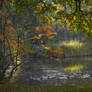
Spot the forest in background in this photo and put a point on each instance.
(29, 28)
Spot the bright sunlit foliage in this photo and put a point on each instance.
(72, 44)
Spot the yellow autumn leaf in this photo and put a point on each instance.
(8, 21)
(38, 6)
(74, 17)
(40, 35)
(53, 33)
(37, 28)
(46, 47)
(67, 20)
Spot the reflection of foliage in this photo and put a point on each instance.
(74, 68)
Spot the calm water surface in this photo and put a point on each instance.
(55, 72)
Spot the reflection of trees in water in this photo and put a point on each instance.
(40, 72)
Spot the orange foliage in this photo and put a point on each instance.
(1, 13)
(51, 37)
(53, 33)
(11, 27)
(40, 35)
(58, 51)
(37, 28)
(47, 48)
(8, 21)
(13, 44)
(46, 32)
(44, 28)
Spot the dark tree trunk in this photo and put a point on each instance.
(79, 5)
(76, 4)
(1, 46)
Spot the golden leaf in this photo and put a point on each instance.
(11, 28)
(51, 37)
(67, 20)
(37, 28)
(53, 33)
(46, 47)
(74, 17)
(39, 6)
(8, 21)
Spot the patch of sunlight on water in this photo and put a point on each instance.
(71, 43)
(74, 68)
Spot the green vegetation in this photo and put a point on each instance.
(29, 28)
(64, 88)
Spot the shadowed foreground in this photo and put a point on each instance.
(65, 88)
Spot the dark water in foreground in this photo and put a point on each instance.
(45, 72)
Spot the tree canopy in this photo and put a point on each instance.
(74, 14)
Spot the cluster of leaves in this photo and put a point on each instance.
(45, 31)
(74, 14)
(43, 34)
(57, 51)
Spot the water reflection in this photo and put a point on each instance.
(40, 72)
(74, 68)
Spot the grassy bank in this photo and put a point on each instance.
(64, 88)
